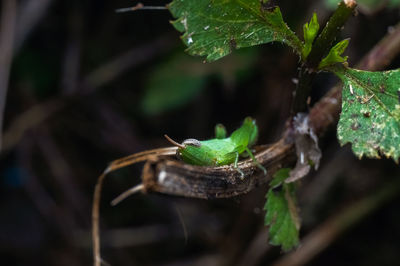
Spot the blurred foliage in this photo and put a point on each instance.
(178, 80)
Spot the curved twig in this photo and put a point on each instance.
(178, 178)
(117, 164)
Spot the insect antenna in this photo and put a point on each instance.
(173, 142)
(139, 6)
(117, 164)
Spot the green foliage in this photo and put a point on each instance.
(170, 86)
(334, 55)
(370, 118)
(394, 3)
(214, 28)
(178, 80)
(280, 176)
(310, 31)
(281, 212)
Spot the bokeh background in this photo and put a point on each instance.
(86, 86)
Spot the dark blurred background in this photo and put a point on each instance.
(86, 86)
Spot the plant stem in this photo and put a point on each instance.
(320, 48)
(303, 90)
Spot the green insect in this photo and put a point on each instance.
(222, 150)
(214, 152)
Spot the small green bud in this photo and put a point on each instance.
(310, 31)
(334, 55)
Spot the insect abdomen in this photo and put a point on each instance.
(198, 156)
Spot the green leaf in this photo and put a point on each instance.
(334, 55)
(310, 31)
(370, 118)
(171, 85)
(214, 28)
(280, 176)
(181, 78)
(281, 213)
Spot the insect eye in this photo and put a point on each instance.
(192, 142)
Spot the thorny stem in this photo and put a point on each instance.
(320, 48)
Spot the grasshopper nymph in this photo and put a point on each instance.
(222, 150)
(214, 152)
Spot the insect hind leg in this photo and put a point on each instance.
(255, 161)
(235, 165)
